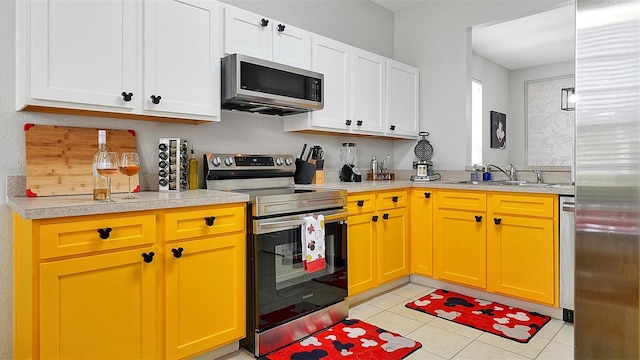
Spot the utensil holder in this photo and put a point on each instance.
(304, 172)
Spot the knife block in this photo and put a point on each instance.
(318, 177)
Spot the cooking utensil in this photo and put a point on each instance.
(309, 154)
(318, 153)
(423, 149)
(304, 147)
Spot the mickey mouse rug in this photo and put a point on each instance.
(349, 339)
(509, 322)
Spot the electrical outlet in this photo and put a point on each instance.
(567, 315)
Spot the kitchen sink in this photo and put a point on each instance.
(502, 182)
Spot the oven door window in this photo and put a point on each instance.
(285, 290)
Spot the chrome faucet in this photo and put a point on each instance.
(511, 174)
(538, 176)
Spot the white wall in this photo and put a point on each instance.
(434, 36)
(495, 97)
(236, 132)
(517, 81)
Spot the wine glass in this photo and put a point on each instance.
(107, 165)
(129, 166)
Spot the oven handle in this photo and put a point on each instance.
(266, 226)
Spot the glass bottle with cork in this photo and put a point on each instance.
(101, 184)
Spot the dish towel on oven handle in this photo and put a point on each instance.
(313, 244)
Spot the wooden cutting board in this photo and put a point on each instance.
(60, 159)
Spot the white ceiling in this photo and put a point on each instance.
(539, 39)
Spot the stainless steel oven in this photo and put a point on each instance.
(285, 302)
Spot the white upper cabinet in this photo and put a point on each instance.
(255, 35)
(182, 57)
(333, 59)
(368, 91)
(403, 83)
(81, 52)
(88, 56)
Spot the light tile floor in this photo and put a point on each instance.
(443, 339)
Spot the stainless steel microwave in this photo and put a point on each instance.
(265, 87)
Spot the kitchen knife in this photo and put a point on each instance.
(303, 149)
(309, 154)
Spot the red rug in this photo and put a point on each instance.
(349, 339)
(509, 322)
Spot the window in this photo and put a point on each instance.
(476, 122)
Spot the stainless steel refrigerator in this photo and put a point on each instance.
(607, 213)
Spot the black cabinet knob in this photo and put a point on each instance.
(392, 127)
(104, 233)
(497, 221)
(281, 27)
(374, 218)
(385, 216)
(177, 253)
(360, 203)
(478, 218)
(209, 220)
(427, 195)
(264, 22)
(148, 257)
(348, 122)
(127, 96)
(359, 122)
(394, 199)
(155, 99)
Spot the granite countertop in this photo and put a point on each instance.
(355, 187)
(78, 205)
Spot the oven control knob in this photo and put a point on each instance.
(216, 161)
(228, 161)
(288, 161)
(279, 161)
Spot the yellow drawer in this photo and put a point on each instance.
(94, 233)
(360, 203)
(461, 200)
(529, 205)
(391, 199)
(204, 221)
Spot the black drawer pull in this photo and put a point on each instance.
(348, 122)
(392, 127)
(427, 195)
(104, 233)
(478, 218)
(497, 221)
(127, 96)
(264, 22)
(209, 220)
(374, 218)
(177, 253)
(281, 28)
(394, 199)
(359, 122)
(360, 203)
(156, 99)
(148, 257)
(385, 216)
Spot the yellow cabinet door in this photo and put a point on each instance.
(205, 294)
(460, 247)
(422, 232)
(393, 244)
(521, 258)
(361, 246)
(99, 307)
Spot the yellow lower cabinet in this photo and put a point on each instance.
(460, 247)
(99, 307)
(393, 245)
(361, 250)
(522, 250)
(422, 232)
(205, 294)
